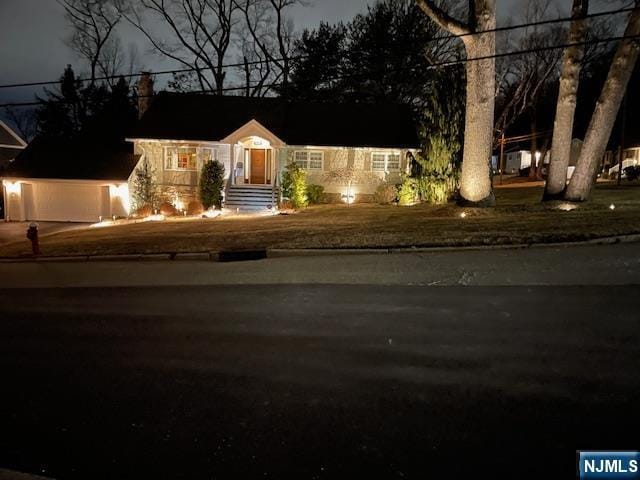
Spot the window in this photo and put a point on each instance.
(385, 162)
(309, 159)
(186, 158)
(180, 158)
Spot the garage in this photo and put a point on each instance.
(64, 200)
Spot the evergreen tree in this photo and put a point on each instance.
(144, 187)
(211, 184)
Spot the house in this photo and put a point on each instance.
(630, 158)
(10, 145)
(520, 159)
(253, 138)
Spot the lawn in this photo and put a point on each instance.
(519, 218)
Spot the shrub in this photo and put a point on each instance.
(294, 185)
(315, 193)
(168, 210)
(211, 184)
(385, 193)
(407, 192)
(144, 211)
(195, 208)
(632, 173)
(436, 177)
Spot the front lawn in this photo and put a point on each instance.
(519, 218)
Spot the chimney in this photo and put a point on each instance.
(145, 93)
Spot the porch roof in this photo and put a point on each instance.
(208, 117)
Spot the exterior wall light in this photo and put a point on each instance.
(13, 188)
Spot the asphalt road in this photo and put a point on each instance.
(301, 381)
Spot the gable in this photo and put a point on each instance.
(253, 129)
(8, 138)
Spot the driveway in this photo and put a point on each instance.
(16, 231)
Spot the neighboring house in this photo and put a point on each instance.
(520, 159)
(254, 139)
(10, 145)
(516, 161)
(630, 158)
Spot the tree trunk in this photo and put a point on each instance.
(475, 179)
(566, 106)
(604, 116)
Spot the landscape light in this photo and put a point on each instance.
(612, 207)
(463, 215)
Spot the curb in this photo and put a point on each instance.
(11, 475)
(318, 252)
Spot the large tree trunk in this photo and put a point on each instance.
(475, 180)
(604, 116)
(566, 106)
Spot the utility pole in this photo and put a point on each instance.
(502, 142)
(623, 123)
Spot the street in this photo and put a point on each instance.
(445, 373)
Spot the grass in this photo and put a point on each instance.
(519, 218)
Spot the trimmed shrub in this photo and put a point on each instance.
(315, 194)
(168, 210)
(211, 184)
(294, 185)
(195, 208)
(143, 211)
(385, 194)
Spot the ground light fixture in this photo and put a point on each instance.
(612, 207)
(463, 215)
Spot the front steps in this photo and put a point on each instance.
(253, 198)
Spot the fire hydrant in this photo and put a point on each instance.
(32, 234)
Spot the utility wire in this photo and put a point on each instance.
(300, 57)
(395, 70)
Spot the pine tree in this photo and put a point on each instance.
(211, 184)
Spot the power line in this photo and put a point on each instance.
(300, 57)
(432, 66)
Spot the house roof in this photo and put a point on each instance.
(8, 138)
(185, 116)
(54, 158)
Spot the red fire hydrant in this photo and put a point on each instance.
(32, 234)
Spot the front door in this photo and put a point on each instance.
(258, 164)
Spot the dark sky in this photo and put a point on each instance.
(33, 32)
(32, 38)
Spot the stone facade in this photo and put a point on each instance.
(180, 186)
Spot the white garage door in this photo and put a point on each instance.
(65, 202)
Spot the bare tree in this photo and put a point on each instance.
(567, 99)
(200, 33)
(604, 116)
(522, 79)
(475, 182)
(266, 45)
(93, 23)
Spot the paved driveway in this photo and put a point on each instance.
(16, 231)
